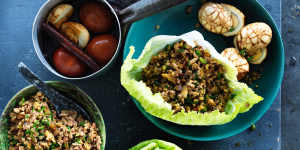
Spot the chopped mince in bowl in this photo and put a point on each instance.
(188, 78)
(34, 126)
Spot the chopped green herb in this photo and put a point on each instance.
(69, 128)
(51, 116)
(66, 145)
(13, 142)
(219, 76)
(53, 146)
(204, 109)
(212, 96)
(250, 58)
(243, 52)
(32, 147)
(180, 50)
(43, 108)
(198, 53)
(195, 101)
(35, 124)
(188, 101)
(168, 47)
(22, 101)
(89, 140)
(77, 140)
(46, 122)
(27, 116)
(166, 86)
(232, 96)
(202, 60)
(28, 131)
(185, 46)
(44, 98)
(42, 127)
(156, 82)
(196, 77)
(84, 138)
(231, 29)
(81, 123)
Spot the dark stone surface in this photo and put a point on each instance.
(290, 88)
(125, 125)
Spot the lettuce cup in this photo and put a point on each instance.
(184, 80)
(155, 144)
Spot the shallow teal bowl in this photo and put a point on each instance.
(69, 90)
(175, 21)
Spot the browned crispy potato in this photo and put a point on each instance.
(76, 32)
(232, 54)
(60, 14)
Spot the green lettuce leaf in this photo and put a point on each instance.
(154, 104)
(155, 144)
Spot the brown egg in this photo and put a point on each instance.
(102, 48)
(96, 17)
(67, 64)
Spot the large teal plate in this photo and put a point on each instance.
(175, 21)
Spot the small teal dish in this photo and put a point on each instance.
(175, 21)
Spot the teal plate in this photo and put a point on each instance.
(175, 21)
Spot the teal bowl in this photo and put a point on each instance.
(69, 90)
(175, 21)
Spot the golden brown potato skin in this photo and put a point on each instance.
(76, 32)
(60, 14)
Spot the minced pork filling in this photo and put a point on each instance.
(188, 78)
(34, 125)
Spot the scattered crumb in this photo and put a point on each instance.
(197, 25)
(295, 10)
(237, 144)
(253, 127)
(157, 27)
(293, 61)
(188, 9)
(202, 1)
(256, 86)
(292, 110)
(249, 143)
(259, 134)
(270, 125)
(290, 31)
(189, 142)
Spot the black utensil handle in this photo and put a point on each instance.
(145, 8)
(39, 84)
(58, 100)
